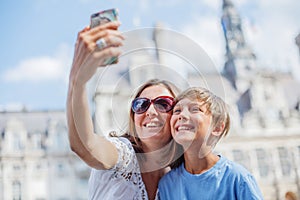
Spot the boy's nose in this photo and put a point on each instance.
(183, 115)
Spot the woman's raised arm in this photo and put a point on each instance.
(93, 148)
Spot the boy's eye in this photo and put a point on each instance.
(176, 110)
(196, 109)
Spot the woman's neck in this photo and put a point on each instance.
(152, 145)
(151, 180)
(151, 161)
(155, 159)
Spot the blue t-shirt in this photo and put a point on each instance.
(226, 180)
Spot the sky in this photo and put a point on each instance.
(38, 36)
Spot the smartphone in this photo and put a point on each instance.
(103, 17)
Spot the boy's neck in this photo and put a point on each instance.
(195, 165)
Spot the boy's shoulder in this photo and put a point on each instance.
(236, 165)
(234, 168)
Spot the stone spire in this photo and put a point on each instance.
(240, 58)
(239, 67)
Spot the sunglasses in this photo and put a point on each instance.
(162, 104)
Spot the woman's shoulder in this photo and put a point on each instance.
(127, 160)
(120, 140)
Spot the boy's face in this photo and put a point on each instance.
(190, 123)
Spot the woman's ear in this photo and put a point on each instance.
(218, 130)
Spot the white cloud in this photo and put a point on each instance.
(40, 69)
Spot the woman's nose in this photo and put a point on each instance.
(151, 111)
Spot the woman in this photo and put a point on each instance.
(123, 168)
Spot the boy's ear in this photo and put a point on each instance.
(218, 130)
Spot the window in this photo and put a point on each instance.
(16, 189)
(242, 158)
(60, 138)
(284, 158)
(17, 145)
(17, 168)
(36, 138)
(263, 162)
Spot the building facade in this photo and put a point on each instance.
(35, 159)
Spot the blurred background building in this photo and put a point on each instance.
(36, 161)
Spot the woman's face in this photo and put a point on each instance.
(153, 125)
(190, 122)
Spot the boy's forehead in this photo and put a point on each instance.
(191, 100)
(194, 101)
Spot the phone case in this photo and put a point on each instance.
(103, 17)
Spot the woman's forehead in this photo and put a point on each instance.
(154, 91)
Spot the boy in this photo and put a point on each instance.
(200, 119)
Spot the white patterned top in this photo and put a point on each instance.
(123, 181)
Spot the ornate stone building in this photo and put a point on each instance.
(35, 159)
(268, 139)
